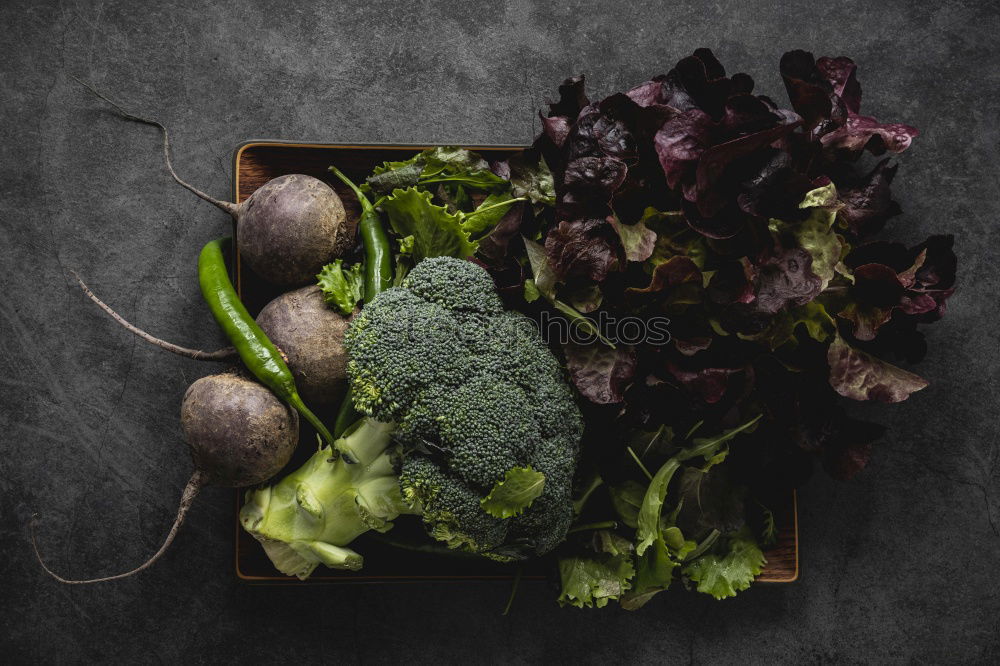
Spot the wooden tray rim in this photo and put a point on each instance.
(237, 155)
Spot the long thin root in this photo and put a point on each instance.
(230, 208)
(196, 483)
(224, 354)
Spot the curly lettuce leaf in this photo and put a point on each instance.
(815, 233)
(593, 579)
(813, 317)
(342, 288)
(428, 230)
(723, 575)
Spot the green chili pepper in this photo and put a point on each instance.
(378, 276)
(259, 354)
(378, 252)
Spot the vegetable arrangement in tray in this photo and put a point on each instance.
(618, 350)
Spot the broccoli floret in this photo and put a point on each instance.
(476, 393)
(469, 397)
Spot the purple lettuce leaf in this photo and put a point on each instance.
(707, 384)
(934, 278)
(810, 92)
(840, 72)
(864, 132)
(869, 204)
(637, 239)
(587, 248)
(888, 277)
(556, 128)
(680, 142)
(785, 279)
(876, 291)
(595, 177)
(572, 98)
(860, 376)
(600, 373)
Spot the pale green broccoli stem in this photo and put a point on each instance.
(313, 514)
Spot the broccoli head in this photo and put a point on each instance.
(481, 406)
(468, 422)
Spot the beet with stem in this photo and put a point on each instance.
(239, 434)
(287, 230)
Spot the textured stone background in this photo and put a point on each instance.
(899, 565)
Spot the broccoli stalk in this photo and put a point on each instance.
(310, 516)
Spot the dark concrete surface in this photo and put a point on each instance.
(900, 565)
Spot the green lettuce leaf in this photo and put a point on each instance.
(591, 580)
(733, 571)
(514, 493)
(812, 316)
(815, 233)
(673, 238)
(652, 503)
(648, 530)
(487, 214)
(448, 165)
(342, 288)
(654, 572)
(428, 230)
(626, 500)
(532, 180)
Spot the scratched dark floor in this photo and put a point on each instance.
(900, 565)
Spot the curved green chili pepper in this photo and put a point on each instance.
(259, 354)
(378, 252)
(378, 276)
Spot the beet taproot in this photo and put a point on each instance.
(287, 230)
(239, 434)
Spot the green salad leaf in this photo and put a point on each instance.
(532, 180)
(603, 574)
(649, 527)
(342, 288)
(724, 574)
(487, 214)
(432, 231)
(444, 164)
(815, 233)
(514, 493)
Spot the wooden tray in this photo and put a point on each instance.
(255, 163)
